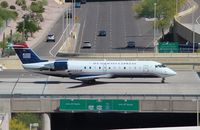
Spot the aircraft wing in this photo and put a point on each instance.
(94, 77)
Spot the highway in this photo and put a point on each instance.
(191, 18)
(49, 49)
(120, 22)
(22, 82)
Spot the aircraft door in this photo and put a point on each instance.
(104, 66)
(145, 68)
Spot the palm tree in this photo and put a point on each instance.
(6, 15)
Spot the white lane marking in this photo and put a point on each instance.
(82, 36)
(124, 22)
(197, 20)
(50, 52)
(110, 25)
(95, 34)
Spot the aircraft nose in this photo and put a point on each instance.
(171, 72)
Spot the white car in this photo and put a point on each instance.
(51, 38)
(86, 44)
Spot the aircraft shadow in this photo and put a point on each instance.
(82, 84)
(86, 84)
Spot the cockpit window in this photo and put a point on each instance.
(160, 66)
(163, 65)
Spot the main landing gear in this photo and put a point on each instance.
(89, 81)
(163, 80)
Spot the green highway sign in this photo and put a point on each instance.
(98, 105)
(126, 105)
(168, 47)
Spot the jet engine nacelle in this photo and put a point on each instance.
(58, 65)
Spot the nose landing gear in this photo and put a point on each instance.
(163, 80)
(92, 81)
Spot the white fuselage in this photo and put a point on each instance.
(113, 69)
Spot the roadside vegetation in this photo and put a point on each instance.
(6, 15)
(30, 21)
(165, 11)
(22, 121)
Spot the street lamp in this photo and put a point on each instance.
(176, 6)
(193, 32)
(73, 10)
(154, 30)
(36, 125)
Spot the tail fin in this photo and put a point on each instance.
(26, 54)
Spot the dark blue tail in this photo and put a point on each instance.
(26, 54)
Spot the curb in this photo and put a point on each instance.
(69, 45)
(188, 11)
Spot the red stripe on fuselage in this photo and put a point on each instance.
(20, 45)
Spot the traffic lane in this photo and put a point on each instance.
(44, 47)
(115, 33)
(102, 42)
(126, 27)
(95, 21)
(137, 29)
(18, 73)
(89, 27)
(184, 83)
(118, 26)
(188, 18)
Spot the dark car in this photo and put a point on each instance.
(51, 38)
(78, 5)
(83, 1)
(130, 44)
(102, 33)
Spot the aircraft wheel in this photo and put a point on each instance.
(90, 81)
(163, 80)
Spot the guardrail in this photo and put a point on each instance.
(103, 96)
(181, 29)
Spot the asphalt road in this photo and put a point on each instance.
(188, 19)
(119, 21)
(17, 81)
(49, 49)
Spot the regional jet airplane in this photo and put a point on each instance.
(90, 70)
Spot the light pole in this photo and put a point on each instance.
(73, 10)
(154, 29)
(193, 32)
(197, 112)
(176, 6)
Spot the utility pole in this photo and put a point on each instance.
(154, 30)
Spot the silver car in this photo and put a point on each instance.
(51, 38)
(86, 44)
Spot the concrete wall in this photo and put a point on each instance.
(11, 63)
(181, 29)
(185, 32)
(49, 105)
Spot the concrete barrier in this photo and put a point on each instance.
(186, 31)
(11, 63)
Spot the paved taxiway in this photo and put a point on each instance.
(21, 82)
